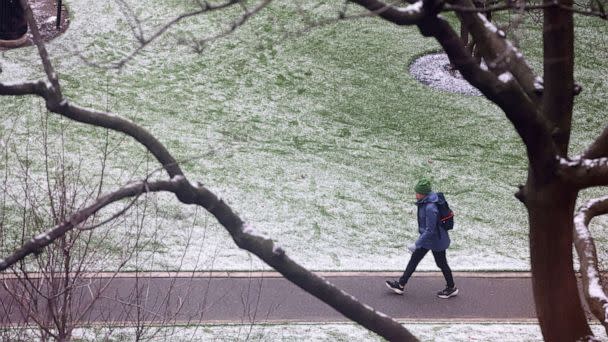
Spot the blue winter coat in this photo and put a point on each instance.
(431, 236)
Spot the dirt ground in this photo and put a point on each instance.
(45, 12)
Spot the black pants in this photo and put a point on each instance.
(440, 260)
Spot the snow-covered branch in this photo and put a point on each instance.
(498, 52)
(54, 88)
(510, 6)
(584, 173)
(585, 248)
(409, 15)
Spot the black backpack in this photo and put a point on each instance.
(446, 215)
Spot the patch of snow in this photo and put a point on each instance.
(539, 83)
(13, 72)
(432, 70)
(250, 230)
(415, 8)
(491, 27)
(318, 332)
(51, 20)
(586, 163)
(505, 77)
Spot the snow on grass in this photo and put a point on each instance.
(436, 332)
(316, 141)
(329, 332)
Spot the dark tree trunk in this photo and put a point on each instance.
(556, 295)
(12, 20)
(551, 203)
(558, 65)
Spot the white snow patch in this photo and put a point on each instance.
(43, 236)
(51, 20)
(487, 23)
(483, 65)
(250, 230)
(318, 332)
(586, 163)
(505, 77)
(12, 71)
(539, 83)
(432, 70)
(415, 8)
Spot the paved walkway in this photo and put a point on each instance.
(243, 298)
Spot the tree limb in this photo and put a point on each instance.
(512, 89)
(409, 15)
(24, 88)
(55, 89)
(584, 173)
(205, 7)
(96, 118)
(240, 21)
(513, 6)
(498, 52)
(585, 248)
(37, 243)
(599, 148)
(558, 68)
(245, 237)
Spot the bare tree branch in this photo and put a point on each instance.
(248, 13)
(584, 173)
(55, 89)
(585, 248)
(524, 7)
(409, 15)
(35, 244)
(599, 148)
(23, 88)
(510, 82)
(205, 7)
(244, 236)
(96, 118)
(498, 52)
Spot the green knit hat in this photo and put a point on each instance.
(423, 186)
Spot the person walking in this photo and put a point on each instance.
(432, 237)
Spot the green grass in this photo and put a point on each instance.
(315, 140)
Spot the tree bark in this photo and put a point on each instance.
(556, 295)
(558, 65)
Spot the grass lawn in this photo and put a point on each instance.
(331, 332)
(316, 140)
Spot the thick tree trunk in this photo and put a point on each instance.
(550, 203)
(558, 64)
(556, 295)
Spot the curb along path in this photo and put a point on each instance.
(265, 297)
